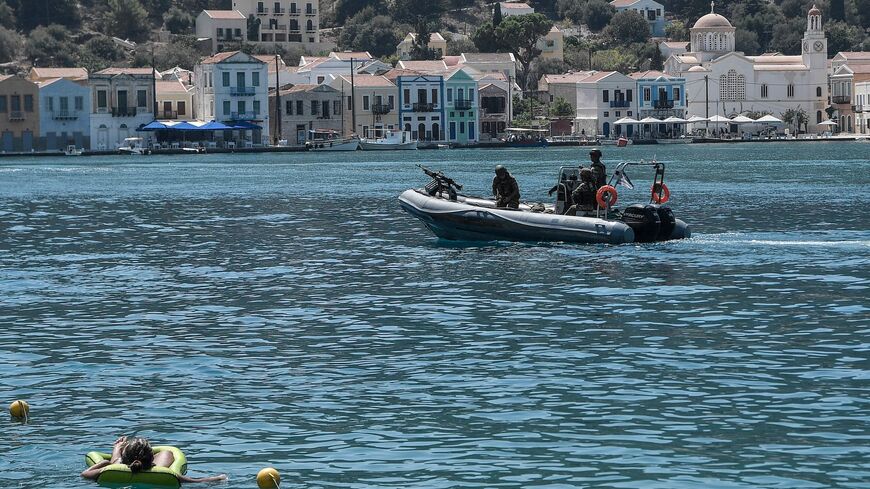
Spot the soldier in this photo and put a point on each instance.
(584, 195)
(599, 171)
(505, 188)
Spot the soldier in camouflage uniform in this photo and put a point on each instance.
(505, 188)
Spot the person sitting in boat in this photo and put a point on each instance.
(584, 195)
(599, 171)
(505, 188)
(136, 453)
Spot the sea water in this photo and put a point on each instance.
(281, 310)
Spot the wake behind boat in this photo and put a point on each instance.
(451, 215)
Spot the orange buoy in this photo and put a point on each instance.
(19, 409)
(610, 200)
(268, 478)
(660, 193)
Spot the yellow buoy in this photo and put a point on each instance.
(268, 478)
(19, 409)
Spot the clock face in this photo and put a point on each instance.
(806, 47)
(819, 45)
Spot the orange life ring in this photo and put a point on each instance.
(609, 190)
(660, 197)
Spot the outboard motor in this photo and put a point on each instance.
(668, 222)
(644, 221)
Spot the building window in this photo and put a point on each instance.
(182, 109)
(336, 106)
(818, 91)
(764, 91)
(242, 107)
(628, 95)
(80, 103)
(227, 109)
(606, 113)
(390, 101)
(15, 102)
(28, 103)
(220, 32)
(434, 96)
(3, 108)
(450, 95)
(49, 103)
(677, 94)
(818, 117)
(647, 94)
(365, 102)
(299, 107)
(349, 103)
(461, 127)
(288, 107)
(256, 107)
(791, 91)
(225, 77)
(732, 87)
(314, 107)
(255, 79)
(141, 98)
(606, 96)
(617, 114)
(406, 96)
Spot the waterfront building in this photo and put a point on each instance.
(552, 45)
(232, 88)
(183, 75)
(515, 8)
(461, 107)
(64, 114)
(430, 66)
(79, 75)
(286, 23)
(721, 81)
(421, 110)
(602, 99)
(19, 114)
(375, 104)
(563, 86)
(223, 30)
(652, 11)
(862, 107)
(304, 108)
(504, 63)
(278, 71)
(319, 69)
(174, 101)
(122, 100)
(494, 105)
(437, 43)
(847, 70)
(659, 96)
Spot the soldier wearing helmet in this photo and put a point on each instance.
(584, 195)
(505, 188)
(599, 171)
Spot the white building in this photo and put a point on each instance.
(515, 8)
(504, 63)
(862, 108)
(323, 69)
(602, 99)
(225, 29)
(721, 81)
(123, 101)
(233, 88)
(652, 11)
(285, 22)
(437, 43)
(847, 70)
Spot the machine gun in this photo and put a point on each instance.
(440, 183)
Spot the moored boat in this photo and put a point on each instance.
(328, 140)
(454, 216)
(389, 140)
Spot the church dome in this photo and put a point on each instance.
(712, 21)
(696, 69)
(815, 11)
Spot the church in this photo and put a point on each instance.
(720, 80)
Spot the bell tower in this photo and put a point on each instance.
(815, 44)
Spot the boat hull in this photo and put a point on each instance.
(376, 146)
(334, 146)
(479, 220)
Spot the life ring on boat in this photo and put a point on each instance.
(606, 190)
(660, 193)
(120, 474)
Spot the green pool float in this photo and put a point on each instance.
(120, 474)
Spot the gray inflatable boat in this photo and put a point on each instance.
(451, 215)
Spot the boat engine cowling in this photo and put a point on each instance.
(668, 222)
(644, 221)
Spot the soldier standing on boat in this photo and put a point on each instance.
(599, 171)
(505, 188)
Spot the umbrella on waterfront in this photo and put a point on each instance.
(675, 120)
(154, 126)
(828, 123)
(650, 120)
(626, 120)
(742, 119)
(719, 119)
(696, 118)
(769, 119)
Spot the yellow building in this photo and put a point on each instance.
(19, 114)
(437, 43)
(552, 46)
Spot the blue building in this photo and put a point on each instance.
(65, 114)
(660, 96)
(421, 106)
(652, 11)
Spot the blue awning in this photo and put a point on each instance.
(245, 125)
(215, 126)
(154, 126)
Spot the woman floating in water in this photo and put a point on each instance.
(137, 454)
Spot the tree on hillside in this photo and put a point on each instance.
(597, 14)
(127, 19)
(676, 30)
(618, 59)
(486, 39)
(786, 37)
(253, 28)
(571, 9)
(11, 43)
(522, 33)
(627, 27)
(863, 8)
(496, 15)
(345, 9)
(843, 37)
(99, 53)
(45, 12)
(420, 47)
(561, 108)
(455, 47)
(838, 10)
(51, 46)
(178, 21)
(747, 42)
(367, 31)
(158, 8)
(411, 11)
(7, 16)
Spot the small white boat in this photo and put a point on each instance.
(400, 140)
(328, 140)
(71, 150)
(134, 146)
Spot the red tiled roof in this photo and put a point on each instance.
(71, 73)
(430, 66)
(646, 74)
(369, 80)
(597, 76)
(217, 58)
(623, 3)
(568, 77)
(126, 71)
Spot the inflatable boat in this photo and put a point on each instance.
(121, 475)
(454, 216)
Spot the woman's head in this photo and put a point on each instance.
(137, 454)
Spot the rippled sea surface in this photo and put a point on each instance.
(260, 310)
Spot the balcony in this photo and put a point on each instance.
(64, 115)
(276, 27)
(381, 109)
(310, 29)
(16, 115)
(263, 11)
(664, 104)
(242, 91)
(311, 11)
(244, 116)
(294, 12)
(280, 11)
(460, 104)
(841, 99)
(167, 114)
(294, 37)
(124, 111)
(324, 117)
(617, 104)
(424, 107)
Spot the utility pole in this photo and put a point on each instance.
(277, 102)
(707, 104)
(352, 99)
